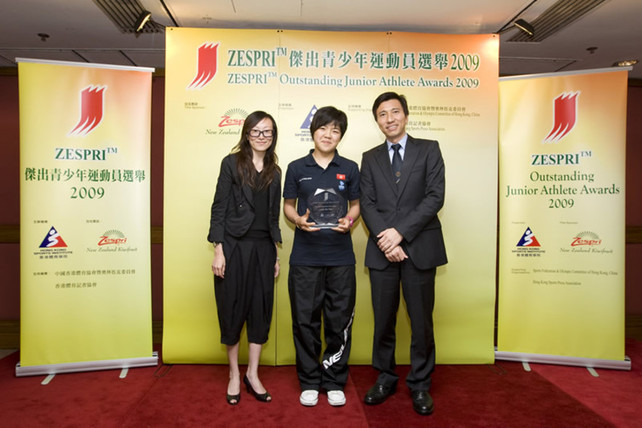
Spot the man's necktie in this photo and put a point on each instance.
(396, 162)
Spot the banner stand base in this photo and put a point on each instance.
(86, 366)
(563, 360)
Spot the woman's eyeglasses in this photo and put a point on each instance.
(254, 133)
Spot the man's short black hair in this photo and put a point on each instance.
(387, 96)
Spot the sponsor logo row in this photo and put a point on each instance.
(54, 245)
(583, 242)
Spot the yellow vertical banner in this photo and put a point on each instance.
(85, 287)
(214, 78)
(562, 226)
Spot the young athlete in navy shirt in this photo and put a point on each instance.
(322, 280)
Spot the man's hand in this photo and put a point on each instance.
(397, 254)
(388, 239)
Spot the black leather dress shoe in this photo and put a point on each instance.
(379, 393)
(422, 402)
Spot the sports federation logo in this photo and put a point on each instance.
(528, 239)
(53, 240)
(91, 110)
(304, 131)
(308, 119)
(206, 64)
(528, 245)
(564, 116)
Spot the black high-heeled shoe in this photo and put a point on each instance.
(265, 397)
(233, 400)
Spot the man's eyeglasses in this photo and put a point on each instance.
(267, 133)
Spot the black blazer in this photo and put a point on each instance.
(411, 206)
(233, 209)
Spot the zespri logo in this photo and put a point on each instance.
(586, 239)
(230, 123)
(233, 117)
(112, 241)
(587, 243)
(564, 116)
(206, 65)
(91, 110)
(112, 237)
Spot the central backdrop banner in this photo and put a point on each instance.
(215, 78)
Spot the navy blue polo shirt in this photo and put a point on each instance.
(304, 176)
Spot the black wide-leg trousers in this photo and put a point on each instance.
(246, 294)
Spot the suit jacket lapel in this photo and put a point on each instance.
(383, 159)
(409, 159)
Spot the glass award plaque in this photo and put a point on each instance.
(326, 208)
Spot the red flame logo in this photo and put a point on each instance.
(207, 63)
(91, 110)
(565, 116)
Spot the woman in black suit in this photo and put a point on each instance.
(244, 228)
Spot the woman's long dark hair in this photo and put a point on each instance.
(244, 164)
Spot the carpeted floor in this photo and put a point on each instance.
(498, 395)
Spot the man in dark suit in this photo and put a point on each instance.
(402, 190)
